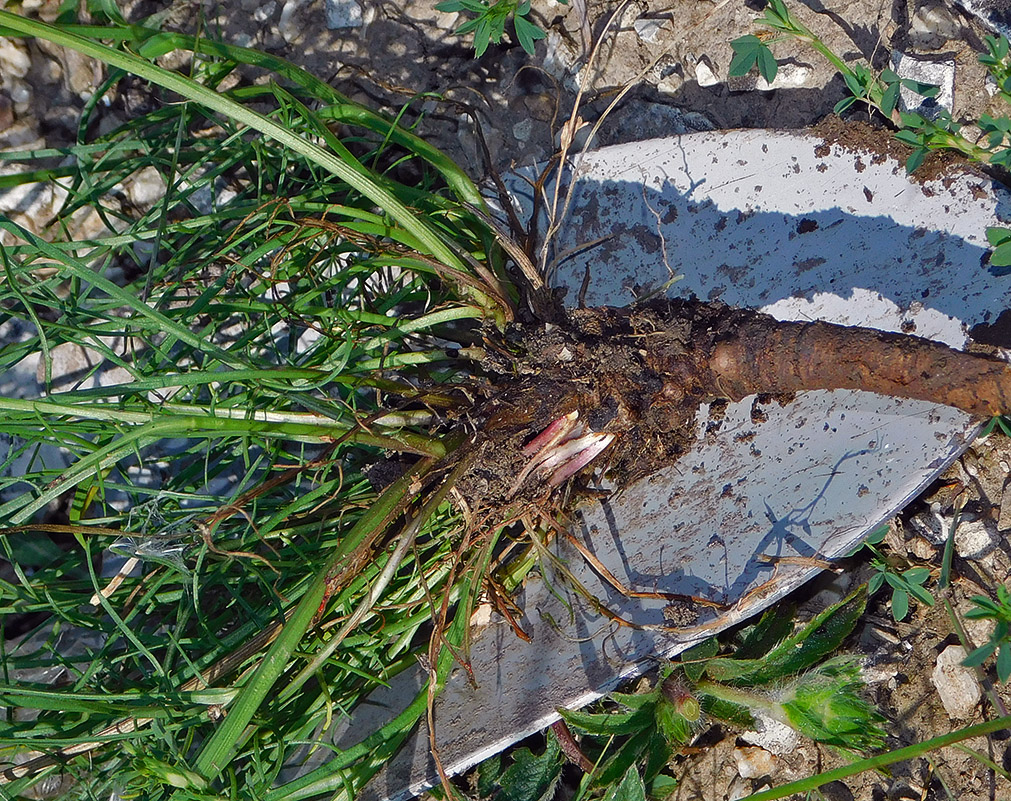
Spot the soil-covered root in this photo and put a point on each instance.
(641, 374)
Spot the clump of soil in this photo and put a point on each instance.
(601, 363)
(879, 143)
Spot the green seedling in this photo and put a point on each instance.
(999, 611)
(1000, 423)
(489, 23)
(905, 584)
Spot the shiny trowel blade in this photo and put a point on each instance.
(801, 229)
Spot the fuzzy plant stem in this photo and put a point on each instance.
(745, 698)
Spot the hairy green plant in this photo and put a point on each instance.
(768, 668)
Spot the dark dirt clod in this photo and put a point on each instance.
(609, 365)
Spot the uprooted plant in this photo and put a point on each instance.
(313, 394)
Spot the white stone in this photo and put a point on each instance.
(772, 735)
(704, 74)
(956, 685)
(788, 76)
(739, 788)
(21, 94)
(481, 617)
(932, 26)
(978, 630)
(939, 72)
(265, 12)
(974, 539)
(880, 675)
(14, 60)
(649, 29)
(146, 188)
(343, 14)
(753, 761)
(286, 25)
(560, 61)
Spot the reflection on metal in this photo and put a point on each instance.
(774, 221)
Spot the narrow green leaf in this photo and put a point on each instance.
(625, 758)
(608, 723)
(916, 575)
(693, 661)
(996, 236)
(853, 84)
(482, 37)
(527, 33)
(844, 104)
(807, 647)
(900, 605)
(734, 714)
(979, 655)
(775, 625)
(635, 700)
(1004, 662)
(915, 159)
(908, 138)
(920, 88)
(921, 594)
(767, 66)
(889, 99)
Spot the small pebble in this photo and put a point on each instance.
(649, 29)
(343, 14)
(772, 736)
(932, 26)
(939, 72)
(956, 685)
(704, 74)
(753, 761)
